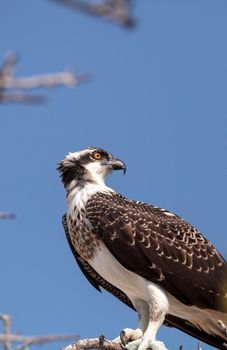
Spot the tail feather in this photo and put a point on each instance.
(218, 342)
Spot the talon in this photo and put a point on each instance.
(123, 338)
(127, 335)
(101, 339)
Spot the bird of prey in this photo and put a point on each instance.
(147, 257)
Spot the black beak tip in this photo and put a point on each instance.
(117, 164)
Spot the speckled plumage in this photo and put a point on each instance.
(97, 281)
(168, 250)
(83, 238)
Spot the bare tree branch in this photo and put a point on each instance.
(44, 339)
(4, 215)
(7, 338)
(96, 343)
(18, 97)
(102, 344)
(12, 88)
(117, 11)
(27, 341)
(6, 319)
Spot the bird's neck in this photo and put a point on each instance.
(78, 193)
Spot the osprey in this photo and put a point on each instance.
(149, 258)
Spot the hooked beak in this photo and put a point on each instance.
(117, 164)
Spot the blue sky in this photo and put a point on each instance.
(157, 100)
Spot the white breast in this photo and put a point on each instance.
(133, 285)
(78, 197)
(112, 271)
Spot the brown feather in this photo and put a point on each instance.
(171, 321)
(155, 236)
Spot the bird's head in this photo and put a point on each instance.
(90, 165)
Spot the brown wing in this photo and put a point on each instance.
(171, 321)
(162, 248)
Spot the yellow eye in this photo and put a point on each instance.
(96, 155)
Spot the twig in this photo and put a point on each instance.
(43, 339)
(26, 340)
(95, 343)
(8, 82)
(4, 215)
(117, 11)
(7, 338)
(6, 319)
(20, 97)
(48, 80)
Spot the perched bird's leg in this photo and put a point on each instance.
(134, 336)
(148, 340)
(151, 316)
(149, 337)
